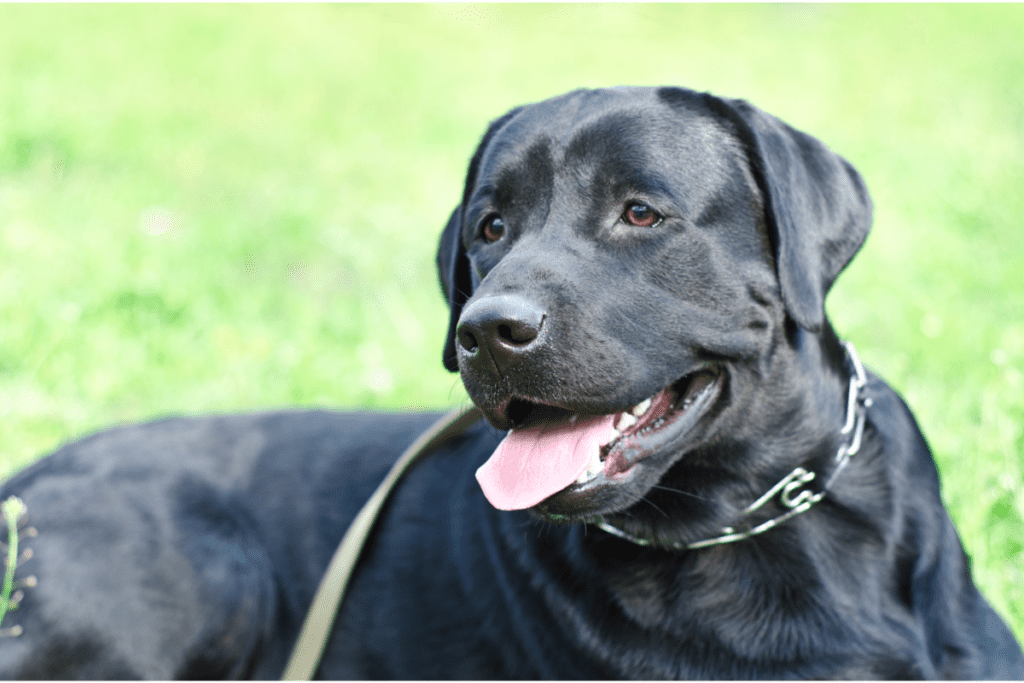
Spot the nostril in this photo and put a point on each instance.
(467, 340)
(518, 332)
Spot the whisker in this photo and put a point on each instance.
(679, 491)
(655, 507)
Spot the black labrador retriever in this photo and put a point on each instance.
(698, 478)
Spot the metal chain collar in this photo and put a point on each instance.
(788, 489)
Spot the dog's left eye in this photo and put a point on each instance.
(641, 215)
(493, 229)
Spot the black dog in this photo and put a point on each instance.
(690, 486)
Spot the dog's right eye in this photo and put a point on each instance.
(641, 215)
(493, 229)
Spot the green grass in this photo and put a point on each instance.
(193, 201)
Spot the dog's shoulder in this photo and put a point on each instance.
(966, 638)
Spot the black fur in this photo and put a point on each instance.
(192, 547)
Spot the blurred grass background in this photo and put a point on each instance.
(223, 207)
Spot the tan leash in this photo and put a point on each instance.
(315, 630)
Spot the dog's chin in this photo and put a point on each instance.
(669, 426)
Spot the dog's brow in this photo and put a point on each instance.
(482, 192)
(480, 200)
(643, 181)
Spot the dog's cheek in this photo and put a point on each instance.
(480, 265)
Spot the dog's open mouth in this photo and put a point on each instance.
(553, 450)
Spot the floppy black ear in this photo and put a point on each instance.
(453, 269)
(816, 202)
(452, 262)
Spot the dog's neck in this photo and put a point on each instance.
(768, 597)
(771, 575)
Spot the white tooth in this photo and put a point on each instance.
(594, 467)
(642, 407)
(626, 421)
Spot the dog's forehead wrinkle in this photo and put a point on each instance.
(525, 180)
(629, 151)
(614, 136)
(602, 155)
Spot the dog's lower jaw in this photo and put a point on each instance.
(701, 490)
(631, 466)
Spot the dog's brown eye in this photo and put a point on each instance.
(494, 229)
(641, 215)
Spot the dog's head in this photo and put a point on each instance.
(621, 271)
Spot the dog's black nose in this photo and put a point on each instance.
(505, 325)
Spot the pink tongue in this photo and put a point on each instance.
(533, 463)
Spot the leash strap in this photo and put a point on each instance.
(312, 639)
